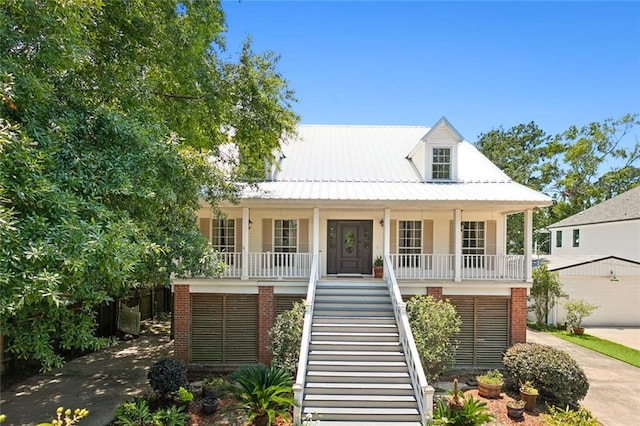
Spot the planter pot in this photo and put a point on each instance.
(378, 271)
(578, 330)
(209, 406)
(529, 399)
(515, 412)
(486, 390)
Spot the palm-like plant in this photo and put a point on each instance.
(263, 392)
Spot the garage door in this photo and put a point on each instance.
(224, 328)
(484, 333)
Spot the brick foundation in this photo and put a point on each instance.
(435, 292)
(266, 318)
(181, 322)
(518, 315)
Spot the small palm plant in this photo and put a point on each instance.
(263, 392)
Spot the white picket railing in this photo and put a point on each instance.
(232, 263)
(298, 387)
(423, 391)
(474, 267)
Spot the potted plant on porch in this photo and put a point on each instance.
(378, 267)
(577, 310)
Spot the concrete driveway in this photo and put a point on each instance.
(614, 386)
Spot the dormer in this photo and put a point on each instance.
(436, 155)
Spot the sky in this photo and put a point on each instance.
(481, 64)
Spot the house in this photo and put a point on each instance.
(424, 199)
(597, 256)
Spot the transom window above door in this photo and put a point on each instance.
(285, 233)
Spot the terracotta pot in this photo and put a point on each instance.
(529, 399)
(579, 331)
(486, 390)
(378, 271)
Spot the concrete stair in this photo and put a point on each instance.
(356, 371)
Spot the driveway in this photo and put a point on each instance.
(614, 386)
(99, 382)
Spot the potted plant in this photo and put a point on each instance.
(183, 397)
(490, 384)
(515, 408)
(378, 267)
(529, 394)
(210, 386)
(577, 310)
(209, 405)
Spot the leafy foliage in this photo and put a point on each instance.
(577, 310)
(286, 338)
(434, 324)
(138, 413)
(545, 292)
(263, 392)
(556, 375)
(491, 377)
(472, 412)
(114, 118)
(567, 417)
(168, 376)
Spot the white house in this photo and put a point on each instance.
(426, 201)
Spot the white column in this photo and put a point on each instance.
(316, 237)
(386, 232)
(528, 239)
(245, 244)
(457, 245)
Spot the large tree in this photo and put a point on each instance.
(114, 117)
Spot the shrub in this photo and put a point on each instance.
(567, 417)
(167, 376)
(556, 375)
(473, 412)
(263, 392)
(286, 338)
(171, 416)
(546, 290)
(577, 310)
(433, 324)
(136, 412)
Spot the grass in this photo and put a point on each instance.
(606, 347)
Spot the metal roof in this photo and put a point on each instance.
(625, 206)
(327, 162)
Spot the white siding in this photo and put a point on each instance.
(620, 239)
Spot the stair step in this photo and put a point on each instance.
(357, 366)
(361, 414)
(360, 401)
(368, 423)
(339, 388)
(357, 376)
(342, 319)
(354, 336)
(337, 345)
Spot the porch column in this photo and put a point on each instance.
(528, 238)
(457, 245)
(245, 244)
(316, 238)
(386, 232)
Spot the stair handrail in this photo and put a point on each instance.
(298, 387)
(421, 388)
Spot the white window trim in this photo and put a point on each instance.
(297, 235)
(453, 165)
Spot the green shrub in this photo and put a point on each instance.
(567, 417)
(433, 324)
(286, 337)
(556, 375)
(263, 392)
(473, 412)
(136, 412)
(167, 376)
(171, 416)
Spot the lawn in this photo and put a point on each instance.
(606, 347)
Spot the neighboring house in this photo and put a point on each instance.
(597, 254)
(423, 198)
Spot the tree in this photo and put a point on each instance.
(545, 292)
(114, 118)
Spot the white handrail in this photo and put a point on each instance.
(298, 387)
(421, 388)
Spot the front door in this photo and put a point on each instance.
(349, 246)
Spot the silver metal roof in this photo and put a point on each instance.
(345, 163)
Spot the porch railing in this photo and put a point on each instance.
(267, 265)
(298, 387)
(474, 267)
(423, 391)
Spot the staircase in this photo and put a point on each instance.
(356, 372)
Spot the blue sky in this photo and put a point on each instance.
(480, 64)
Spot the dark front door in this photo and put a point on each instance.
(349, 246)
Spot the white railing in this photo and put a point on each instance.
(232, 263)
(277, 265)
(423, 391)
(298, 387)
(474, 267)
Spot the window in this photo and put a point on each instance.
(223, 238)
(558, 238)
(410, 241)
(441, 164)
(576, 238)
(285, 236)
(473, 243)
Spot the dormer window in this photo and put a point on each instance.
(441, 164)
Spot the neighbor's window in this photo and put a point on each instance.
(576, 238)
(285, 236)
(410, 241)
(558, 238)
(441, 164)
(223, 238)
